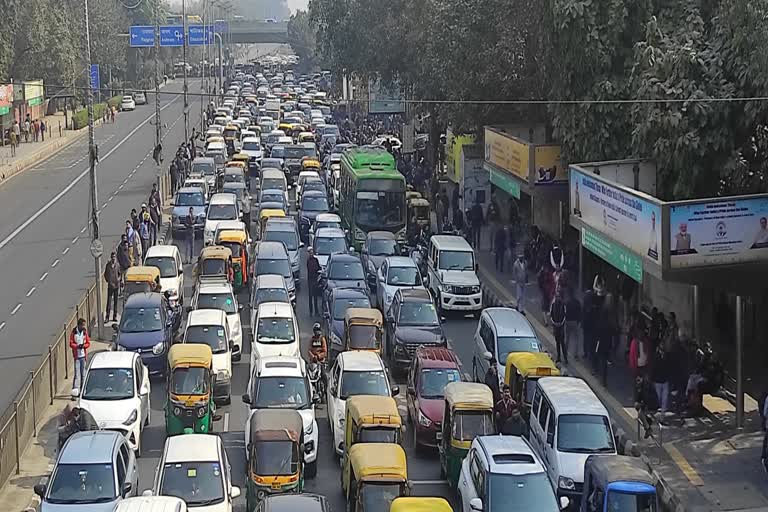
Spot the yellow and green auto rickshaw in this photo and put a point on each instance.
(243, 158)
(237, 242)
(468, 413)
(140, 279)
(363, 329)
(523, 369)
(265, 215)
(412, 194)
(189, 407)
(420, 504)
(310, 164)
(373, 475)
(274, 455)
(214, 263)
(372, 419)
(418, 214)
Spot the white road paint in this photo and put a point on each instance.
(74, 240)
(42, 277)
(226, 422)
(56, 262)
(83, 230)
(2, 326)
(65, 251)
(31, 291)
(16, 309)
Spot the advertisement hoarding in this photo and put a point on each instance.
(548, 165)
(384, 101)
(33, 89)
(718, 232)
(6, 98)
(628, 217)
(507, 153)
(453, 145)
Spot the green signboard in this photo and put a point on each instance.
(35, 101)
(505, 182)
(626, 261)
(4, 110)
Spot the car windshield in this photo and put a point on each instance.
(274, 458)
(273, 197)
(197, 483)
(363, 337)
(212, 267)
(189, 199)
(521, 493)
(456, 260)
(222, 212)
(222, 301)
(141, 320)
(375, 497)
(275, 330)
(82, 484)
(298, 152)
(271, 295)
(382, 209)
(268, 266)
(251, 146)
(273, 183)
(108, 384)
(631, 502)
(313, 185)
(584, 433)
(343, 271)
(189, 381)
(363, 383)
(340, 306)
(382, 247)
(314, 203)
(289, 238)
(432, 381)
(329, 245)
(281, 393)
(211, 335)
(235, 247)
(166, 264)
(509, 344)
(403, 276)
(331, 129)
(467, 425)
(327, 224)
(417, 313)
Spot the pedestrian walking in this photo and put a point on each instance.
(476, 219)
(491, 379)
(660, 375)
(558, 314)
(174, 176)
(123, 257)
(144, 233)
(493, 220)
(520, 277)
(545, 281)
(189, 224)
(154, 220)
(43, 127)
(592, 307)
(112, 278)
(500, 244)
(313, 273)
(17, 132)
(133, 242)
(573, 323)
(36, 130)
(27, 128)
(14, 141)
(79, 342)
(606, 336)
(155, 193)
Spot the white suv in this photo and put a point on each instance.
(280, 382)
(221, 207)
(503, 470)
(452, 275)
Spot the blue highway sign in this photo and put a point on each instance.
(95, 77)
(172, 35)
(198, 33)
(142, 36)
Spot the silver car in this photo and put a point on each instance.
(95, 470)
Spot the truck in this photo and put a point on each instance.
(272, 107)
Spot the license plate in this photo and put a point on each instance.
(439, 436)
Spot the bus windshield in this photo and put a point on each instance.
(382, 209)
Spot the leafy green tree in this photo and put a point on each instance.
(302, 36)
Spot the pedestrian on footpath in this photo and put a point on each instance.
(660, 375)
(499, 242)
(155, 193)
(313, 273)
(572, 323)
(558, 314)
(144, 233)
(476, 218)
(592, 307)
(606, 336)
(36, 130)
(174, 176)
(79, 342)
(154, 220)
(17, 131)
(189, 224)
(493, 219)
(14, 141)
(545, 280)
(43, 127)
(520, 277)
(133, 242)
(123, 258)
(27, 128)
(491, 379)
(112, 278)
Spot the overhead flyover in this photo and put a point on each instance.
(244, 31)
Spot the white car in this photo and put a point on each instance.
(499, 470)
(196, 468)
(167, 259)
(221, 207)
(324, 220)
(140, 98)
(302, 178)
(211, 327)
(354, 373)
(327, 241)
(275, 331)
(396, 272)
(281, 382)
(379, 141)
(127, 103)
(116, 393)
(219, 295)
(253, 148)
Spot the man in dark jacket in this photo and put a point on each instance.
(476, 219)
(112, 278)
(500, 246)
(313, 273)
(492, 380)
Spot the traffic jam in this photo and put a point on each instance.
(305, 343)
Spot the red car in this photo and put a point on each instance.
(431, 369)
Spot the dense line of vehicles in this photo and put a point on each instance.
(382, 311)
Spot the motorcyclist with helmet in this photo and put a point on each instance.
(318, 355)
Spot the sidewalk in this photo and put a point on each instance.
(702, 464)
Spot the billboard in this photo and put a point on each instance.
(453, 145)
(631, 218)
(33, 89)
(507, 153)
(718, 232)
(382, 100)
(6, 98)
(547, 165)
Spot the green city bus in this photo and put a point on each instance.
(371, 194)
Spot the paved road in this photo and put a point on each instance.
(423, 467)
(44, 256)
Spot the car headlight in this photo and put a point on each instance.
(177, 411)
(475, 289)
(132, 418)
(311, 428)
(564, 482)
(201, 411)
(158, 348)
(423, 420)
(446, 288)
(335, 340)
(222, 375)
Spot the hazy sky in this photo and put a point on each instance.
(293, 5)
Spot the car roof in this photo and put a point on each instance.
(144, 299)
(280, 224)
(509, 322)
(414, 295)
(385, 235)
(151, 504)
(203, 159)
(311, 193)
(348, 293)
(327, 217)
(112, 359)
(292, 502)
(360, 361)
(192, 448)
(222, 199)
(190, 190)
(400, 261)
(330, 233)
(91, 447)
(213, 287)
(270, 281)
(271, 250)
(279, 366)
(162, 250)
(344, 257)
(436, 357)
(511, 455)
(275, 310)
(252, 139)
(451, 242)
(206, 317)
(571, 395)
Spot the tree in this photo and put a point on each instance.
(303, 39)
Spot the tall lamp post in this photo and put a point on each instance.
(186, 86)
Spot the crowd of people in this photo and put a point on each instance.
(28, 130)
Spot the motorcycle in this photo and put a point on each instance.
(317, 379)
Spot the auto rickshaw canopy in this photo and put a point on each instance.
(378, 461)
(418, 202)
(309, 163)
(271, 212)
(189, 355)
(374, 410)
(215, 252)
(232, 235)
(418, 504)
(530, 364)
(241, 158)
(607, 469)
(363, 316)
(468, 395)
(412, 195)
(276, 425)
(306, 137)
(142, 274)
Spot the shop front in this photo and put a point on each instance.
(34, 99)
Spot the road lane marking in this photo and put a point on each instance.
(83, 230)
(74, 240)
(65, 251)
(2, 326)
(31, 291)
(226, 422)
(684, 465)
(56, 262)
(24, 225)
(16, 309)
(42, 277)
(429, 482)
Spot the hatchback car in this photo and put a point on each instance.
(275, 332)
(272, 197)
(221, 207)
(148, 326)
(94, 471)
(395, 273)
(273, 258)
(268, 288)
(412, 322)
(378, 245)
(283, 229)
(334, 310)
(218, 295)
(324, 220)
(127, 103)
(140, 98)
(293, 502)
(186, 198)
(312, 204)
(116, 394)
(211, 327)
(327, 241)
(343, 271)
(167, 258)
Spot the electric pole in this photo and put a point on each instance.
(97, 247)
(158, 135)
(186, 90)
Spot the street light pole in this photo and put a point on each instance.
(186, 88)
(158, 135)
(96, 244)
